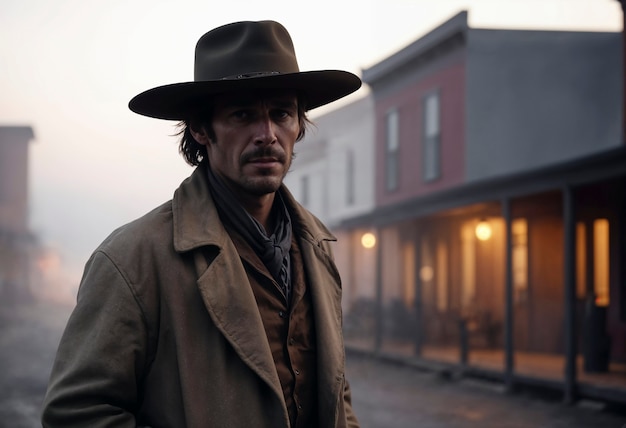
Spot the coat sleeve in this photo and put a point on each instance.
(100, 360)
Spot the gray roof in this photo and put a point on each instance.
(455, 25)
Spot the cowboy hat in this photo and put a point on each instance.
(241, 56)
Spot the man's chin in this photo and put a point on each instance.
(264, 187)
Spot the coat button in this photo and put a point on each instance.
(291, 341)
(281, 314)
(297, 372)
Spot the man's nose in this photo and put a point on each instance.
(265, 131)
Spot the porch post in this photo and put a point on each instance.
(508, 298)
(419, 319)
(378, 333)
(569, 248)
(623, 2)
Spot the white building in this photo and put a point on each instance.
(333, 176)
(333, 172)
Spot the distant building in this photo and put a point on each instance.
(16, 240)
(332, 173)
(499, 209)
(333, 176)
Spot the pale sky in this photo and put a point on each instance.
(69, 67)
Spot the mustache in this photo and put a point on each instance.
(264, 152)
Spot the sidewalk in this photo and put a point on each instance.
(388, 394)
(530, 369)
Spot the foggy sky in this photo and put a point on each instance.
(69, 67)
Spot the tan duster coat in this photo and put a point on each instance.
(166, 332)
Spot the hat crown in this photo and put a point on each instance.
(244, 56)
(244, 49)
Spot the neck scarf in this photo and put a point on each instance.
(273, 250)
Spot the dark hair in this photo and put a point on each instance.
(195, 153)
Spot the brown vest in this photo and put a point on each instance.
(290, 330)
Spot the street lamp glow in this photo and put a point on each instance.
(483, 230)
(368, 240)
(427, 273)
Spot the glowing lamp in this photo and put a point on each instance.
(426, 273)
(368, 240)
(483, 230)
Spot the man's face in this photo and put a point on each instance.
(254, 139)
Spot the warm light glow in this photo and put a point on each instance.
(483, 230)
(426, 273)
(368, 240)
(601, 268)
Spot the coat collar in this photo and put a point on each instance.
(195, 217)
(197, 222)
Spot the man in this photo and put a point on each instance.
(220, 308)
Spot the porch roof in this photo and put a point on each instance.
(598, 167)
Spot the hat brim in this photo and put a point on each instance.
(175, 101)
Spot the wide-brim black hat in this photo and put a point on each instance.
(244, 56)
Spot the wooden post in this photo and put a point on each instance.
(419, 319)
(509, 362)
(623, 2)
(569, 248)
(378, 334)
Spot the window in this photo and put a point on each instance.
(408, 254)
(350, 178)
(468, 266)
(601, 261)
(431, 141)
(427, 272)
(581, 260)
(519, 237)
(441, 276)
(392, 143)
(594, 261)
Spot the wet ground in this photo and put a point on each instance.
(385, 395)
(389, 395)
(29, 335)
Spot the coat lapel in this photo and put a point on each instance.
(325, 293)
(233, 309)
(229, 300)
(323, 280)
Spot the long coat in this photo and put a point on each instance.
(166, 331)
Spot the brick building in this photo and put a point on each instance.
(16, 240)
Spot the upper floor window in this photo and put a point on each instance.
(392, 143)
(431, 148)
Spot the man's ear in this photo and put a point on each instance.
(200, 135)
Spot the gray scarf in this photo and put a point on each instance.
(273, 250)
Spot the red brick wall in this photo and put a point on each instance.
(450, 82)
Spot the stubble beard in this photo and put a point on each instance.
(263, 184)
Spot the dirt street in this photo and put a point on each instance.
(385, 395)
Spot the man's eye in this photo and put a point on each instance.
(281, 114)
(240, 114)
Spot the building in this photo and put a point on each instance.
(332, 176)
(16, 241)
(499, 210)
